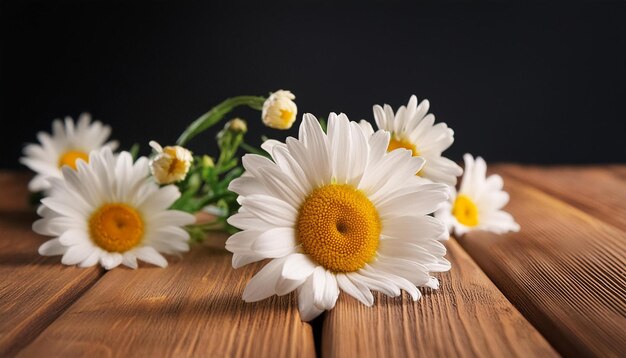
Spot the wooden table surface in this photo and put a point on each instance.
(558, 287)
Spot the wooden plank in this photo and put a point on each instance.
(466, 317)
(34, 290)
(594, 189)
(619, 169)
(191, 308)
(564, 271)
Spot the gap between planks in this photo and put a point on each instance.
(599, 191)
(34, 290)
(467, 317)
(564, 271)
(192, 308)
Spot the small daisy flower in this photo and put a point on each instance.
(108, 212)
(478, 204)
(279, 110)
(170, 164)
(336, 211)
(413, 129)
(69, 143)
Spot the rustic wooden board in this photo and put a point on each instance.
(596, 190)
(192, 308)
(33, 290)
(619, 169)
(565, 271)
(466, 317)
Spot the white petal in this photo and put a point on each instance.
(171, 217)
(110, 260)
(355, 289)
(160, 200)
(285, 285)
(298, 266)
(52, 248)
(150, 255)
(263, 284)
(247, 221)
(240, 260)
(375, 281)
(247, 186)
(269, 145)
(275, 243)
(307, 309)
(92, 259)
(417, 203)
(74, 237)
(271, 210)
(325, 289)
(129, 260)
(415, 228)
(76, 254)
(241, 242)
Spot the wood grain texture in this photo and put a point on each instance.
(596, 190)
(619, 169)
(466, 317)
(192, 308)
(565, 271)
(34, 290)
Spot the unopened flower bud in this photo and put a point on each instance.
(279, 110)
(237, 125)
(207, 162)
(170, 164)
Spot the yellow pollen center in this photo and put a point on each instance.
(116, 227)
(70, 157)
(465, 211)
(339, 228)
(402, 143)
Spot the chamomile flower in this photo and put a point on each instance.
(336, 211)
(279, 110)
(413, 129)
(170, 164)
(478, 204)
(68, 143)
(108, 212)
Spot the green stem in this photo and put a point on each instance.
(250, 149)
(217, 113)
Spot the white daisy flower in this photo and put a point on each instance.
(336, 211)
(413, 129)
(69, 143)
(170, 164)
(108, 211)
(279, 110)
(478, 204)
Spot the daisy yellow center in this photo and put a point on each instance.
(339, 228)
(116, 227)
(70, 157)
(465, 211)
(395, 143)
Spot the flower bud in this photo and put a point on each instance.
(279, 110)
(170, 164)
(237, 125)
(207, 162)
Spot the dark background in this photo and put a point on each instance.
(530, 83)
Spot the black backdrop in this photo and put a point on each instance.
(530, 83)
